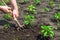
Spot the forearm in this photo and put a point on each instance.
(14, 4)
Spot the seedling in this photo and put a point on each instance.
(28, 20)
(51, 3)
(6, 25)
(37, 2)
(57, 16)
(45, 9)
(7, 16)
(47, 31)
(59, 6)
(32, 9)
(24, 1)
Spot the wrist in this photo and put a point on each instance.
(15, 8)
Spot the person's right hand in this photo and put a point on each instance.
(5, 9)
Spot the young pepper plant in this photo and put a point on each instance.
(28, 20)
(37, 2)
(47, 31)
(57, 16)
(59, 6)
(45, 9)
(51, 3)
(24, 1)
(32, 9)
(6, 25)
(7, 16)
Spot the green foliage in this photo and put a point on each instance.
(28, 19)
(6, 1)
(32, 9)
(1, 3)
(57, 16)
(59, 6)
(52, 4)
(7, 16)
(45, 9)
(37, 2)
(24, 1)
(6, 25)
(47, 31)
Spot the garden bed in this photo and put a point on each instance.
(44, 16)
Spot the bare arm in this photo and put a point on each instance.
(15, 12)
(14, 4)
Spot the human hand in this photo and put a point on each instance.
(5, 9)
(15, 13)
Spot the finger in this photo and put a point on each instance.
(16, 16)
(13, 15)
(6, 10)
(9, 8)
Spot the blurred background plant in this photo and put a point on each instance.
(6, 25)
(51, 3)
(28, 20)
(45, 9)
(59, 6)
(37, 2)
(32, 9)
(24, 1)
(57, 16)
(7, 16)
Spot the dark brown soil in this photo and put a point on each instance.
(30, 33)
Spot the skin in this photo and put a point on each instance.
(6, 9)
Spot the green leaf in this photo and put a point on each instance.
(51, 35)
(52, 3)
(7, 25)
(7, 16)
(42, 31)
(45, 34)
(51, 32)
(26, 22)
(42, 27)
(30, 9)
(32, 16)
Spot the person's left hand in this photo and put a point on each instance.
(15, 13)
